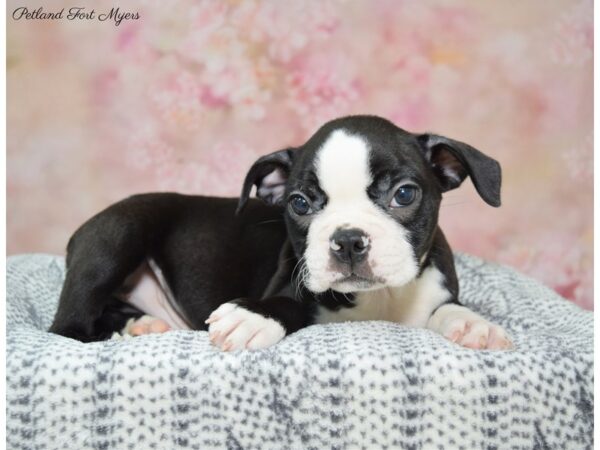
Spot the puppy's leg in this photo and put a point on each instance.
(461, 325)
(99, 257)
(246, 324)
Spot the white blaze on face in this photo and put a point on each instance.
(342, 168)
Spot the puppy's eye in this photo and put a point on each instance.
(299, 204)
(404, 196)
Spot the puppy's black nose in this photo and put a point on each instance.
(349, 246)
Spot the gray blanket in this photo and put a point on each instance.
(364, 385)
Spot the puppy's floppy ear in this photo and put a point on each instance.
(452, 161)
(269, 174)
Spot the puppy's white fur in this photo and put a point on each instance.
(411, 304)
(151, 293)
(342, 167)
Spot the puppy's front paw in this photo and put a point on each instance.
(464, 327)
(233, 327)
(476, 333)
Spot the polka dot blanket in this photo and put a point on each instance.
(369, 385)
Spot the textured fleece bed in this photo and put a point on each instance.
(364, 385)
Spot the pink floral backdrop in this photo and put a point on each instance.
(188, 95)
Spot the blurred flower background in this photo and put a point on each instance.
(187, 97)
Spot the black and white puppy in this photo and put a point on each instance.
(346, 230)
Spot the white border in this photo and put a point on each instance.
(596, 243)
(3, 225)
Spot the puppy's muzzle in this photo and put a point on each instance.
(349, 246)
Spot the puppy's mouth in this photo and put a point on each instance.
(354, 282)
(354, 278)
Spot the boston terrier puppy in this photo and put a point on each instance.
(346, 228)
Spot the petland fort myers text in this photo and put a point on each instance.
(115, 15)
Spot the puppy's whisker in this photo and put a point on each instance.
(298, 280)
(305, 275)
(299, 266)
(269, 221)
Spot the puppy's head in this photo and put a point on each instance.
(362, 196)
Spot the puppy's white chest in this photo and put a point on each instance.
(411, 304)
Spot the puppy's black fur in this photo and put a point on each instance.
(210, 255)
